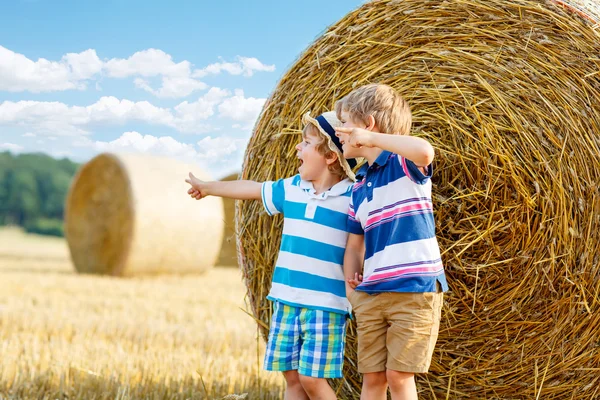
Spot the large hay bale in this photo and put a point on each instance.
(508, 92)
(228, 255)
(131, 215)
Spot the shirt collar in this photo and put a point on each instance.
(380, 161)
(336, 190)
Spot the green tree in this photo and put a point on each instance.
(33, 188)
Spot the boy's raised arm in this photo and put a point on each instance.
(413, 148)
(240, 190)
(353, 261)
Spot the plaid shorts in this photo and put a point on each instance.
(310, 341)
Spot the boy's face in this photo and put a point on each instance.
(312, 163)
(348, 122)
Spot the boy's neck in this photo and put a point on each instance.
(325, 182)
(371, 154)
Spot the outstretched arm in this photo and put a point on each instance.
(240, 190)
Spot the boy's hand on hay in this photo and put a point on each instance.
(355, 137)
(199, 188)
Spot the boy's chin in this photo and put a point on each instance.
(301, 173)
(304, 175)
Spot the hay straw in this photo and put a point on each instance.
(131, 215)
(508, 92)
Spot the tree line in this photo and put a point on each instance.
(33, 188)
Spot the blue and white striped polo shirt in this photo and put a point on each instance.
(391, 205)
(309, 270)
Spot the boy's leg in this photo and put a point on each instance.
(283, 348)
(374, 386)
(322, 353)
(414, 324)
(372, 352)
(293, 388)
(402, 385)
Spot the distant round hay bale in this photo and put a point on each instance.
(508, 92)
(228, 255)
(131, 215)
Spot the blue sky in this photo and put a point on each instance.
(182, 79)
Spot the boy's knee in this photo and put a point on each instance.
(292, 378)
(375, 379)
(313, 386)
(399, 379)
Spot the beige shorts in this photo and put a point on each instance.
(396, 331)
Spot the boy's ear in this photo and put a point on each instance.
(332, 158)
(371, 125)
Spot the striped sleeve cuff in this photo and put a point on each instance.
(355, 227)
(267, 198)
(413, 172)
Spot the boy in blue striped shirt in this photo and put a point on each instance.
(308, 327)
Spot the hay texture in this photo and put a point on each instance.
(228, 255)
(508, 92)
(131, 215)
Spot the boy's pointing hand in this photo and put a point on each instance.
(198, 189)
(355, 137)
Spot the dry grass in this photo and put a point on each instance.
(65, 335)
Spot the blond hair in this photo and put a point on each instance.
(324, 150)
(389, 109)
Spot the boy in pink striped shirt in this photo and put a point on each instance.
(392, 231)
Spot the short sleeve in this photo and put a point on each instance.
(413, 172)
(273, 196)
(354, 225)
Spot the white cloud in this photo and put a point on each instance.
(189, 114)
(29, 134)
(59, 119)
(10, 147)
(172, 87)
(240, 108)
(244, 66)
(214, 149)
(75, 70)
(55, 118)
(18, 73)
(176, 77)
(84, 65)
(136, 142)
(147, 63)
(223, 151)
(112, 110)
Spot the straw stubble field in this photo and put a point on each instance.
(65, 335)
